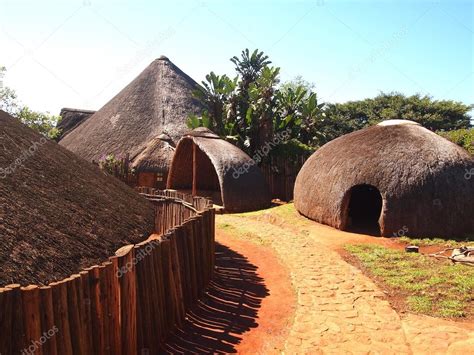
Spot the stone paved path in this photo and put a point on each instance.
(339, 310)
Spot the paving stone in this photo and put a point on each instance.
(339, 310)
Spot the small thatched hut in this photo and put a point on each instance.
(149, 115)
(70, 119)
(394, 178)
(210, 166)
(58, 212)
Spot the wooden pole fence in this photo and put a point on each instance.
(129, 303)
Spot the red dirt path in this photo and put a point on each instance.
(247, 309)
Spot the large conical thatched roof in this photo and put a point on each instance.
(58, 212)
(157, 102)
(241, 183)
(422, 179)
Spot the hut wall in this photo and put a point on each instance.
(126, 305)
(155, 180)
(146, 179)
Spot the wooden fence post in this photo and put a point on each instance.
(18, 330)
(128, 297)
(32, 321)
(6, 321)
(61, 317)
(86, 314)
(115, 307)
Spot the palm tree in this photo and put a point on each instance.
(214, 94)
(250, 65)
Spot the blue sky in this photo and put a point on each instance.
(81, 53)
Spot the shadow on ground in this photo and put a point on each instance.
(227, 310)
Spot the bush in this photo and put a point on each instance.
(462, 137)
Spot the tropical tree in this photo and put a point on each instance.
(436, 115)
(251, 108)
(249, 66)
(214, 94)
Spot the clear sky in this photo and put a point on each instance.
(80, 53)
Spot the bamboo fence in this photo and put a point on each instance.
(129, 303)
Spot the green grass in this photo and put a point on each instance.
(424, 242)
(430, 286)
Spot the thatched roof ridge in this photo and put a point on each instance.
(202, 132)
(158, 101)
(59, 213)
(240, 190)
(420, 175)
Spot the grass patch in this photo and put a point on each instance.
(426, 242)
(420, 304)
(429, 286)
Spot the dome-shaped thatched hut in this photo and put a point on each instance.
(210, 166)
(58, 212)
(148, 114)
(396, 177)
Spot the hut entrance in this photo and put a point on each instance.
(205, 181)
(364, 209)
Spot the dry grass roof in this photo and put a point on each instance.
(70, 119)
(420, 175)
(159, 101)
(58, 212)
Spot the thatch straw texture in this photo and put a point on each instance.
(222, 166)
(157, 102)
(421, 177)
(58, 212)
(70, 119)
(155, 157)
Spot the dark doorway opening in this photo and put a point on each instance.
(365, 206)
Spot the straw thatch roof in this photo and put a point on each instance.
(240, 181)
(158, 102)
(156, 156)
(58, 212)
(421, 178)
(70, 119)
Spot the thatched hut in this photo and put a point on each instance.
(58, 212)
(71, 118)
(394, 178)
(209, 166)
(150, 114)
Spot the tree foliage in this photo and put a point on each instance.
(43, 123)
(462, 137)
(253, 107)
(432, 114)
